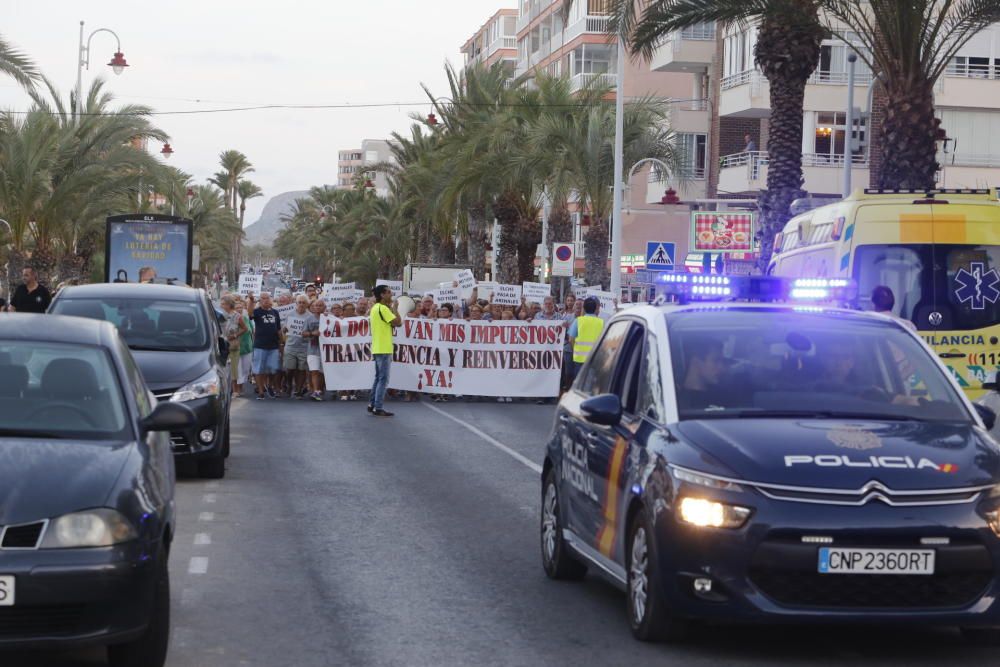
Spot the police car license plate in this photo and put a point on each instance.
(6, 590)
(876, 561)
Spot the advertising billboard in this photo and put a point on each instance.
(722, 231)
(147, 247)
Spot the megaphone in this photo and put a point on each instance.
(406, 305)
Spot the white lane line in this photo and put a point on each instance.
(202, 538)
(198, 565)
(209, 498)
(212, 485)
(206, 516)
(488, 438)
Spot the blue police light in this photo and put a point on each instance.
(684, 288)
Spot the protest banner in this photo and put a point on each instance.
(466, 280)
(285, 311)
(395, 285)
(507, 295)
(338, 292)
(448, 295)
(536, 291)
(250, 283)
(485, 289)
(448, 357)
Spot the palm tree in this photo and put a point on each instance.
(790, 35)
(246, 190)
(235, 166)
(910, 44)
(17, 66)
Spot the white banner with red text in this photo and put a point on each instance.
(453, 357)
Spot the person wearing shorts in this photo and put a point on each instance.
(313, 361)
(266, 341)
(296, 346)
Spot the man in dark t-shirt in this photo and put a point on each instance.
(266, 341)
(30, 297)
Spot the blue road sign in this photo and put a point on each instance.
(660, 255)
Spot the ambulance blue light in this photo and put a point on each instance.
(810, 293)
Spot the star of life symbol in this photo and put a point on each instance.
(977, 286)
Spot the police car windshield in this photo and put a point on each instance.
(746, 362)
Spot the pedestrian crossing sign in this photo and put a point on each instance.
(660, 255)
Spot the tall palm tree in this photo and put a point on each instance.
(18, 66)
(245, 190)
(910, 44)
(235, 165)
(790, 35)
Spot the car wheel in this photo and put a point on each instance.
(982, 636)
(225, 442)
(150, 649)
(648, 615)
(556, 560)
(213, 468)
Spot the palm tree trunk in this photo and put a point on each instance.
(462, 250)
(908, 137)
(596, 263)
(528, 237)
(507, 216)
(560, 231)
(787, 51)
(477, 239)
(423, 243)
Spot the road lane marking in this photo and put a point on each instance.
(198, 565)
(206, 516)
(212, 485)
(202, 538)
(488, 438)
(209, 498)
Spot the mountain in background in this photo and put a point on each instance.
(266, 229)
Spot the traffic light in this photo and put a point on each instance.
(318, 282)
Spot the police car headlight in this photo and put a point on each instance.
(993, 519)
(693, 477)
(205, 386)
(100, 527)
(711, 514)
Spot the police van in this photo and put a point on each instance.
(937, 250)
(753, 453)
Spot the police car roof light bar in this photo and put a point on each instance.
(684, 288)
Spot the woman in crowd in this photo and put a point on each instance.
(245, 347)
(233, 327)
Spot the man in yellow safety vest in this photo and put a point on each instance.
(584, 332)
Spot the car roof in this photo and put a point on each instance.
(676, 312)
(56, 329)
(131, 290)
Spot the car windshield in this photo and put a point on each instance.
(769, 362)
(54, 390)
(145, 324)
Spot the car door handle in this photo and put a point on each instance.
(592, 439)
(564, 419)
(951, 355)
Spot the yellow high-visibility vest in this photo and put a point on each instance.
(588, 330)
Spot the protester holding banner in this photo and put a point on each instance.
(382, 321)
(585, 331)
(296, 346)
(266, 344)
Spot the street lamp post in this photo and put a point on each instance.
(5, 283)
(852, 58)
(117, 64)
(616, 222)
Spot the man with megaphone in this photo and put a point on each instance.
(383, 319)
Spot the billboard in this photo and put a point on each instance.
(147, 247)
(722, 231)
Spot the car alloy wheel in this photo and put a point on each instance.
(638, 580)
(556, 560)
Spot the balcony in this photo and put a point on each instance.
(747, 94)
(689, 49)
(747, 172)
(587, 25)
(690, 186)
(965, 86)
(689, 116)
(968, 170)
(578, 81)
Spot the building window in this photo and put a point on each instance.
(974, 67)
(592, 59)
(831, 129)
(695, 149)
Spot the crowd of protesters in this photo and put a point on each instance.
(281, 353)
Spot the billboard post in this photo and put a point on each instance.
(147, 247)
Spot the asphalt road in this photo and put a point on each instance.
(341, 539)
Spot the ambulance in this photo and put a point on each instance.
(937, 250)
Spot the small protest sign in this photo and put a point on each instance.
(466, 280)
(536, 292)
(507, 295)
(250, 283)
(395, 285)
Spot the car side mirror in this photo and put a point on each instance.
(987, 415)
(169, 416)
(603, 409)
(991, 386)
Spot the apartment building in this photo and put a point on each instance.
(354, 161)
(579, 47)
(967, 98)
(495, 41)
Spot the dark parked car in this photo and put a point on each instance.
(86, 492)
(174, 334)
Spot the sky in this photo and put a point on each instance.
(210, 54)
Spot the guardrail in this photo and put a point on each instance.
(969, 160)
(967, 71)
(738, 79)
(699, 31)
(826, 78)
(578, 81)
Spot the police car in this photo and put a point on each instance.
(740, 456)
